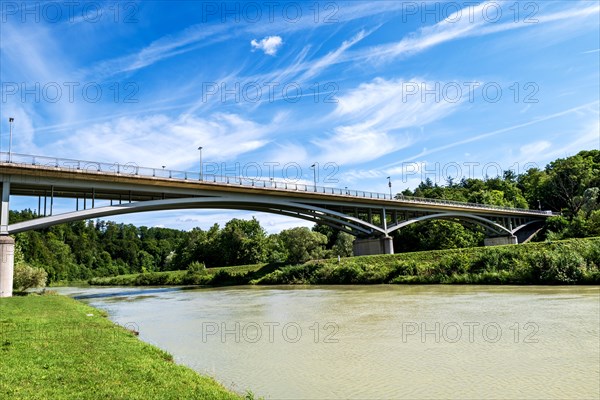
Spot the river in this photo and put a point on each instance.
(374, 342)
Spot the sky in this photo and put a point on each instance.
(362, 90)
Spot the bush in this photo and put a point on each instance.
(340, 274)
(196, 267)
(562, 266)
(452, 264)
(27, 277)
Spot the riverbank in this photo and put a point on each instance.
(53, 347)
(574, 261)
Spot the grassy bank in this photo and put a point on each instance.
(52, 347)
(241, 274)
(574, 261)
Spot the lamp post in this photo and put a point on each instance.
(314, 175)
(10, 124)
(201, 172)
(390, 185)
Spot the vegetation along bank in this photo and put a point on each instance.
(573, 261)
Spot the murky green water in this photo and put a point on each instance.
(375, 342)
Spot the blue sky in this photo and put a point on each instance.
(364, 89)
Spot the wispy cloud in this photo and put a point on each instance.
(314, 68)
(457, 26)
(535, 150)
(191, 38)
(380, 118)
(162, 140)
(585, 107)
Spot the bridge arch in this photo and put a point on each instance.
(347, 223)
(481, 221)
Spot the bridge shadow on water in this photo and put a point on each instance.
(130, 293)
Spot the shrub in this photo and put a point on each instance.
(146, 279)
(196, 267)
(340, 274)
(26, 277)
(404, 268)
(452, 264)
(562, 266)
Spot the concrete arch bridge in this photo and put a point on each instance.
(100, 190)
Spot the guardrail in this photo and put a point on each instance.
(133, 169)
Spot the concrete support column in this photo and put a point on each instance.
(4, 208)
(500, 241)
(7, 265)
(373, 246)
(387, 244)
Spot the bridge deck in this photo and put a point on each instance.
(128, 183)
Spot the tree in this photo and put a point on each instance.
(343, 246)
(27, 277)
(568, 179)
(243, 242)
(435, 235)
(303, 244)
(533, 185)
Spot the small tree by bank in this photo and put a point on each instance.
(25, 276)
(28, 277)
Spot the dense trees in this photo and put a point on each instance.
(570, 186)
(84, 249)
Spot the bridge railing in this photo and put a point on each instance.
(132, 169)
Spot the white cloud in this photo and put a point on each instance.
(269, 45)
(161, 140)
(379, 118)
(352, 145)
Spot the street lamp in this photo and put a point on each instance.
(314, 175)
(10, 123)
(390, 185)
(201, 172)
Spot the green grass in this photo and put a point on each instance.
(574, 261)
(51, 349)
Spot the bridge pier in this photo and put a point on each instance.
(373, 246)
(500, 240)
(7, 265)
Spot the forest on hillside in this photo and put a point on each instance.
(85, 249)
